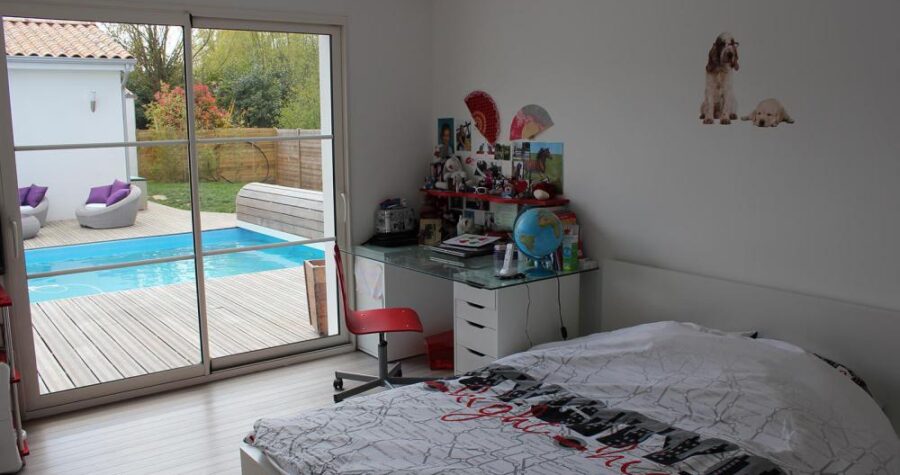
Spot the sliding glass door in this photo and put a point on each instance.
(176, 189)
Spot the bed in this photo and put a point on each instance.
(650, 395)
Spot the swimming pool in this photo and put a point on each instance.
(130, 250)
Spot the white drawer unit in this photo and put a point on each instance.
(491, 324)
(468, 358)
(476, 337)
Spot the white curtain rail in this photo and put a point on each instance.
(185, 257)
(161, 143)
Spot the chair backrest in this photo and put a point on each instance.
(349, 316)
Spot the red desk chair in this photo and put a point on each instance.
(381, 321)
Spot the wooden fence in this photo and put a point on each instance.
(299, 163)
(295, 164)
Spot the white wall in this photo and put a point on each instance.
(811, 207)
(52, 106)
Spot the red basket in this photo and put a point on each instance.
(440, 350)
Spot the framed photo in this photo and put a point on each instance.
(445, 133)
(501, 152)
(430, 231)
(518, 169)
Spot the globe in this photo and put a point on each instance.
(537, 233)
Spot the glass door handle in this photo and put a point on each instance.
(344, 208)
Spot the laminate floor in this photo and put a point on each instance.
(195, 430)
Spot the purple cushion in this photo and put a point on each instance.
(98, 194)
(117, 196)
(118, 185)
(23, 193)
(35, 195)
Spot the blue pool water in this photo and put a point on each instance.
(130, 250)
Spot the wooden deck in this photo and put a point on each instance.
(156, 220)
(98, 338)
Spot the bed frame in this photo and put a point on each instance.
(866, 339)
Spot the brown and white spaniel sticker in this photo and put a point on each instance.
(718, 98)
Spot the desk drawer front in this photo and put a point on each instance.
(468, 360)
(476, 313)
(484, 298)
(476, 337)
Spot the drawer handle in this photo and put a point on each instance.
(480, 327)
(476, 353)
(480, 307)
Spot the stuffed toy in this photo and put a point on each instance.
(454, 172)
(543, 190)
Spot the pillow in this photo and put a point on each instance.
(118, 185)
(95, 205)
(35, 195)
(23, 193)
(116, 197)
(99, 194)
(847, 372)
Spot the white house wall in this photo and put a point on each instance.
(52, 106)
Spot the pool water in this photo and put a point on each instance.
(152, 275)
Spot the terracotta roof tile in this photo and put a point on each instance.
(59, 39)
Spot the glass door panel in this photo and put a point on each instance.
(265, 213)
(109, 260)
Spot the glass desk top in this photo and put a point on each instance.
(474, 271)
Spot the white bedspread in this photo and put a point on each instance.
(658, 398)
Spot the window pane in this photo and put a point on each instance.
(89, 82)
(278, 297)
(74, 177)
(257, 82)
(104, 326)
(271, 188)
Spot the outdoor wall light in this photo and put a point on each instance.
(93, 98)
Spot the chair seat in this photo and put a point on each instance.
(384, 320)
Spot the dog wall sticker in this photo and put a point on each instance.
(719, 103)
(768, 113)
(718, 99)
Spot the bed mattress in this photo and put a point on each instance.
(659, 398)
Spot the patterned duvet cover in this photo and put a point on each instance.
(659, 398)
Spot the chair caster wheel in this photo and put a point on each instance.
(338, 384)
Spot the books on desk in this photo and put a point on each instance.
(466, 245)
(463, 252)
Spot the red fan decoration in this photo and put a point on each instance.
(484, 112)
(529, 122)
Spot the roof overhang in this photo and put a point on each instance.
(70, 64)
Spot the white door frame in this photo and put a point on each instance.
(36, 405)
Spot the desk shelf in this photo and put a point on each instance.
(558, 201)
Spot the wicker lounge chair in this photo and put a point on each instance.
(119, 215)
(39, 211)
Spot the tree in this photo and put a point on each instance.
(168, 109)
(268, 79)
(158, 51)
(256, 96)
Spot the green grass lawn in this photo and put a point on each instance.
(214, 196)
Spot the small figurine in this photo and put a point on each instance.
(464, 225)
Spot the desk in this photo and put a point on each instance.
(490, 317)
